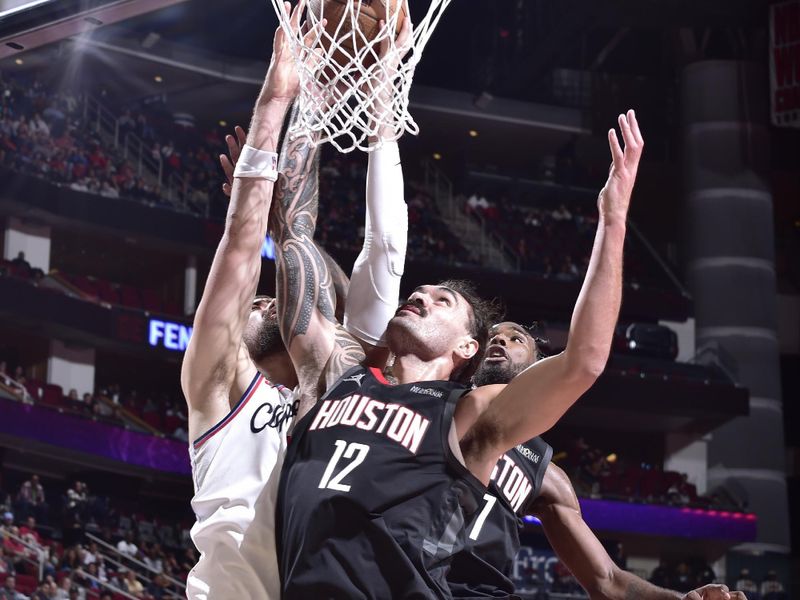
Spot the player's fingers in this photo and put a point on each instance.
(616, 150)
(313, 34)
(227, 167)
(714, 591)
(227, 189)
(738, 596)
(298, 10)
(637, 133)
(233, 148)
(625, 128)
(241, 135)
(692, 596)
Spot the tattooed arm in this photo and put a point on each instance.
(319, 348)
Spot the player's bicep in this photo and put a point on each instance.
(210, 359)
(527, 407)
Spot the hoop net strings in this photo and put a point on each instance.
(341, 100)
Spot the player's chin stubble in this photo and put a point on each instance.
(494, 373)
(266, 341)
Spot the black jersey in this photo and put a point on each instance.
(483, 569)
(370, 499)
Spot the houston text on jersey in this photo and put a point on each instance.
(511, 480)
(395, 421)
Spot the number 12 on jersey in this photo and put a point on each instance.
(354, 451)
(487, 508)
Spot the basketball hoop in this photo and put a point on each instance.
(348, 91)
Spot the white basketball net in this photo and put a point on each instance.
(341, 100)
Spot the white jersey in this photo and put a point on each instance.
(236, 469)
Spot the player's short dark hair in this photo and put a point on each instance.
(483, 315)
(541, 342)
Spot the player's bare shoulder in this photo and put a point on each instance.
(472, 405)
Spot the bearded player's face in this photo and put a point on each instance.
(511, 350)
(262, 337)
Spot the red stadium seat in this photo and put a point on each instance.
(26, 584)
(129, 296)
(53, 395)
(154, 419)
(107, 292)
(151, 301)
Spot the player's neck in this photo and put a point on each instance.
(410, 368)
(278, 368)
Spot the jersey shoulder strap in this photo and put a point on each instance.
(535, 456)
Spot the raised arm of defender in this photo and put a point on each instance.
(210, 373)
(535, 400)
(579, 549)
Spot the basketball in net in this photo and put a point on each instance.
(365, 17)
(356, 71)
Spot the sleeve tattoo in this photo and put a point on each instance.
(304, 280)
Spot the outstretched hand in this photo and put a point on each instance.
(283, 83)
(714, 592)
(228, 163)
(615, 197)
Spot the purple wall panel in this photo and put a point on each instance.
(84, 435)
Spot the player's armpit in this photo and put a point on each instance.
(527, 407)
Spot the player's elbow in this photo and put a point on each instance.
(604, 585)
(587, 363)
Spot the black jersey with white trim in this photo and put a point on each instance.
(484, 568)
(372, 501)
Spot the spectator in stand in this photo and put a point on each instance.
(70, 561)
(132, 585)
(705, 575)
(6, 564)
(154, 558)
(45, 591)
(90, 554)
(684, 582)
(662, 575)
(67, 590)
(9, 591)
(31, 499)
(158, 588)
(127, 547)
(30, 535)
(77, 499)
(771, 588)
(15, 550)
(745, 583)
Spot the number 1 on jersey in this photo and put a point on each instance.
(487, 508)
(343, 449)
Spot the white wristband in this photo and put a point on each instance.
(257, 164)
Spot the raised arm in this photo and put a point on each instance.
(320, 350)
(375, 282)
(534, 400)
(209, 370)
(579, 549)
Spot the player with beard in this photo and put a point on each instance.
(525, 482)
(369, 504)
(238, 419)
(224, 390)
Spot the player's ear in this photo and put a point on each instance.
(467, 347)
